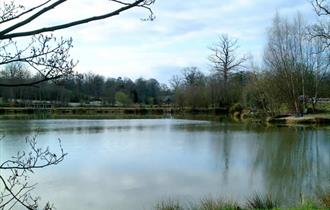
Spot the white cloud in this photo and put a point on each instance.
(126, 46)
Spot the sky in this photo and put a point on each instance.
(180, 36)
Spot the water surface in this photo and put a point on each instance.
(133, 164)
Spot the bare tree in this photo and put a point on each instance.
(320, 36)
(284, 60)
(192, 76)
(296, 62)
(176, 82)
(225, 61)
(224, 56)
(177, 85)
(45, 53)
(318, 63)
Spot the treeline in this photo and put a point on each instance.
(293, 75)
(195, 89)
(83, 88)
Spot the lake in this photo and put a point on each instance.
(133, 164)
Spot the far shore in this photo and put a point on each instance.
(154, 112)
(110, 111)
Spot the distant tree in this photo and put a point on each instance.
(192, 76)
(190, 89)
(141, 91)
(110, 90)
(153, 91)
(225, 61)
(178, 88)
(129, 87)
(95, 85)
(175, 82)
(14, 73)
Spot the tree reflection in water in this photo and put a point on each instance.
(292, 162)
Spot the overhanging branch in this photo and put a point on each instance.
(4, 34)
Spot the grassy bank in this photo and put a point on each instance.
(254, 203)
(319, 119)
(321, 116)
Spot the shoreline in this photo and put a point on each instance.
(309, 119)
(157, 110)
(154, 113)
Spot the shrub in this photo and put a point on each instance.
(236, 108)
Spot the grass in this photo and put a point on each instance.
(323, 106)
(256, 202)
(210, 204)
(169, 205)
(262, 202)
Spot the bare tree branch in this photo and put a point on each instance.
(321, 7)
(24, 12)
(44, 54)
(16, 186)
(6, 35)
(33, 17)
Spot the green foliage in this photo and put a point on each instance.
(324, 107)
(308, 205)
(257, 202)
(122, 99)
(237, 107)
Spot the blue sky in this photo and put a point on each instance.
(179, 36)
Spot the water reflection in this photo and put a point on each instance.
(132, 164)
(294, 161)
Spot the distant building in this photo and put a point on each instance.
(95, 103)
(167, 100)
(74, 104)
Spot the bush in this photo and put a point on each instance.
(325, 200)
(236, 108)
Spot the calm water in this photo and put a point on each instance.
(132, 164)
